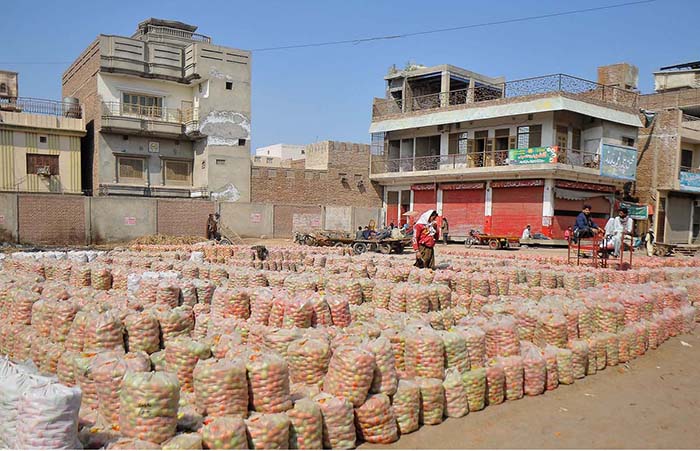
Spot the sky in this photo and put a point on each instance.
(305, 95)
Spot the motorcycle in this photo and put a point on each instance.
(474, 238)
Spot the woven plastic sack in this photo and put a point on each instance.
(550, 357)
(340, 310)
(142, 332)
(579, 358)
(425, 354)
(126, 443)
(456, 355)
(376, 421)
(407, 406)
(321, 315)
(47, 417)
(495, 383)
(175, 322)
(565, 366)
(227, 432)
(268, 430)
(432, 400)
(456, 403)
(108, 370)
(476, 346)
(191, 440)
(535, 371)
(149, 406)
(168, 293)
(514, 371)
(181, 357)
(350, 374)
(84, 379)
(308, 360)
(502, 338)
(298, 312)
(475, 386)
(338, 422)
(306, 430)
(221, 388)
(385, 376)
(268, 377)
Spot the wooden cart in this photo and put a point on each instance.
(493, 241)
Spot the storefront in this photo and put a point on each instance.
(569, 199)
(514, 205)
(463, 206)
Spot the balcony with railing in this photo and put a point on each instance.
(690, 128)
(481, 162)
(156, 120)
(41, 106)
(508, 92)
(170, 33)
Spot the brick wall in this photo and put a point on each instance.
(80, 81)
(321, 186)
(184, 217)
(51, 219)
(659, 150)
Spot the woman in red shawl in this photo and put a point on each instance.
(425, 234)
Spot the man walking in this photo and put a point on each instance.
(444, 229)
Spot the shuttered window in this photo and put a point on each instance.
(36, 162)
(131, 169)
(177, 172)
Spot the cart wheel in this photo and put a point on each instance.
(338, 245)
(359, 248)
(399, 249)
(225, 242)
(494, 244)
(469, 242)
(385, 248)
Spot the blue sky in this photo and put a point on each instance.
(303, 95)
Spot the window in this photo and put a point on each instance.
(529, 136)
(3, 88)
(43, 139)
(686, 159)
(576, 139)
(627, 141)
(269, 160)
(125, 137)
(257, 159)
(142, 105)
(502, 136)
(37, 162)
(229, 85)
(458, 143)
(222, 162)
(241, 142)
(131, 169)
(177, 172)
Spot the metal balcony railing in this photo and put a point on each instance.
(154, 113)
(690, 169)
(41, 106)
(382, 165)
(502, 93)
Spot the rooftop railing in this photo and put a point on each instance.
(383, 165)
(154, 113)
(503, 93)
(159, 30)
(41, 106)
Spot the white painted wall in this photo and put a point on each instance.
(283, 151)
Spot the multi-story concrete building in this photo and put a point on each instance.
(39, 142)
(669, 146)
(497, 155)
(167, 113)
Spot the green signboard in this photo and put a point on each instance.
(636, 211)
(618, 162)
(533, 155)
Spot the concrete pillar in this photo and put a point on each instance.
(470, 92)
(548, 207)
(444, 88)
(488, 204)
(438, 205)
(690, 226)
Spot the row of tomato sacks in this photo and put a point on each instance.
(419, 353)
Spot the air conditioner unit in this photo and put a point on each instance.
(43, 171)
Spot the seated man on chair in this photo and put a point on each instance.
(617, 229)
(585, 227)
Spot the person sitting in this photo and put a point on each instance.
(585, 227)
(366, 233)
(617, 229)
(358, 234)
(383, 233)
(527, 233)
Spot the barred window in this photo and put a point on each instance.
(131, 169)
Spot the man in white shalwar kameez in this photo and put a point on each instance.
(617, 228)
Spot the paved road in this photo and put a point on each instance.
(653, 402)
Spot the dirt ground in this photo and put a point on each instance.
(652, 402)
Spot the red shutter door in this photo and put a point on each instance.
(514, 208)
(424, 200)
(464, 210)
